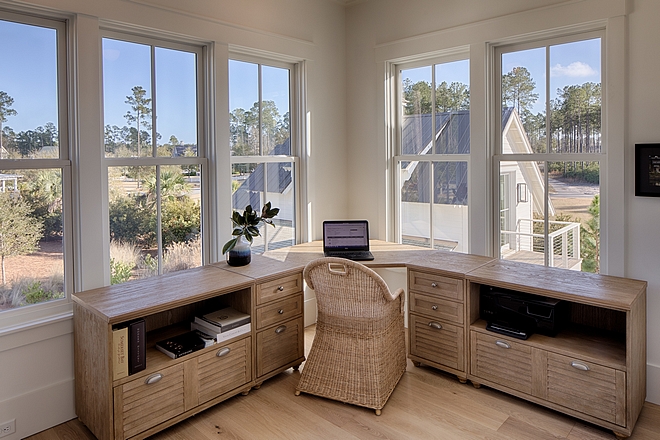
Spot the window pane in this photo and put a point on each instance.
(450, 206)
(522, 211)
(31, 237)
(574, 193)
(249, 181)
(176, 103)
(28, 95)
(416, 103)
(276, 132)
(415, 206)
(452, 96)
(244, 108)
(575, 82)
(523, 101)
(127, 99)
(135, 224)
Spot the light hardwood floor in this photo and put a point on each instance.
(427, 404)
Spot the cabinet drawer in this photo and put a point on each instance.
(431, 284)
(438, 342)
(279, 311)
(278, 288)
(227, 367)
(587, 387)
(279, 346)
(436, 307)
(140, 405)
(503, 361)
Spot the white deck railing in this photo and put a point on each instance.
(565, 241)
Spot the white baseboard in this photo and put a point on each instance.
(653, 383)
(40, 409)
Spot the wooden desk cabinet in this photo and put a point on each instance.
(170, 390)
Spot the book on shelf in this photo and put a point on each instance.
(204, 335)
(223, 336)
(137, 346)
(181, 345)
(119, 353)
(223, 320)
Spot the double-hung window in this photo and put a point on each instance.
(548, 97)
(264, 157)
(432, 161)
(153, 102)
(35, 170)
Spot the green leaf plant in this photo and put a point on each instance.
(246, 224)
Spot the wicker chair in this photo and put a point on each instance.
(358, 354)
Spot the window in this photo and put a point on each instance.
(433, 157)
(155, 157)
(549, 151)
(35, 171)
(264, 154)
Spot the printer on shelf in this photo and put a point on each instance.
(518, 314)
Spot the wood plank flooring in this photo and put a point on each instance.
(427, 404)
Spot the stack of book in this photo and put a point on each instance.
(223, 324)
(181, 345)
(129, 348)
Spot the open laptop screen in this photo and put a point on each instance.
(345, 235)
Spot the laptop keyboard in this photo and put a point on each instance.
(357, 255)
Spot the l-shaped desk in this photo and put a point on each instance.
(594, 369)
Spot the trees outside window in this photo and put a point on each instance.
(153, 101)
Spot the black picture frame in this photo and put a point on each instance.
(647, 170)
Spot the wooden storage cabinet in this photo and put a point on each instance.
(170, 390)
(437, 310)
(594, 368)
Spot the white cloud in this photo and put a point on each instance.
(576, 69)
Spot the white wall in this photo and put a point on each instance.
(391, 30)
(36, 360)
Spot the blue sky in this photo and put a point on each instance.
(244, 85)
(571, 63)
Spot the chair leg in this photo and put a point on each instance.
(377, 412)
(297, 393)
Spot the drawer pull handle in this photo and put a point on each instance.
(280, 329)
(434, 307)
(224, 351)
(435, 325)
(153, 379)
(434, 285)
(502, 344)
(280, 288)
(580, 366)
(280, 311)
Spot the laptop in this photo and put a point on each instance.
(347, 239)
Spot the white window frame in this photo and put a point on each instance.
(203, 137)
(520, 44)
(296, 127)
(56, 310)
(397, 118)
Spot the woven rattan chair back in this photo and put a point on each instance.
(358, 353)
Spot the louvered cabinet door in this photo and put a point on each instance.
(587, 387)
(148, 401)
(225, 368)
(439, 342)
(503, 361)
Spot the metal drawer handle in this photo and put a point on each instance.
(434, 284)
(502, 344)
(224, 351)
(153, 379)
(435, 325)
(280, 329)
(580, 366)
(434, 307)
(280, 288)
(280, 311)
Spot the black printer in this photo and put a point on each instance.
(518, 314)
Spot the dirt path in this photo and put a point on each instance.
(41, 264)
